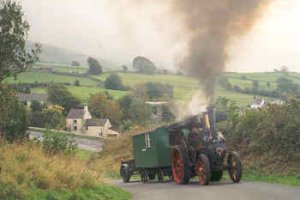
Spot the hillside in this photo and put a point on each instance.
(184, 87)
(51, 55)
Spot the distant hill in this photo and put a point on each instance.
(54, 54)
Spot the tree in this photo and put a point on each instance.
(154, 91)
(255, 84)
(54, 117)
(285, 85)
(75, 63)
(13, 121)
(134, 110)
(101, 106)
(94, 66)
(124, 68)
(76, 82)
(14, 31)
(143, 65)
(36, 106)
(114, 82)
(58, 94)
(13, 59)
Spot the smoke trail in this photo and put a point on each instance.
(210, 26)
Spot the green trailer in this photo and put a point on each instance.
(182, 151)
(152, 152)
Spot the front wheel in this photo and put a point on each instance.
(202, 169)
(234, 167)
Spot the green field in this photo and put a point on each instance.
(244, 80)
(42, 77)
(184, 87)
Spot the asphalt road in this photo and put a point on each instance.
(215, 191)
(82, 143)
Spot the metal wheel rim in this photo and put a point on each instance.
(201, 172)
(177, 166)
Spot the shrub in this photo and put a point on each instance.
(153, 91)
(114, 82)
(271, 133)
(13, 120)
(55, 142)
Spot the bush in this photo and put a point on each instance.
(271, 133)
(114, 82)
(153, 91)
(76, 82)
(55, 142)
(10, 192)
(13, 120)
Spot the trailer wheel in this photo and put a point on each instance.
(180, 165)
(144, 176)
(160, 175)
(234, 167)
(125, 174)
(216, 175)
(202, 169)
(151, 176)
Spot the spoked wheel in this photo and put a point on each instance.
(125, 174)
(144, 176)
(234, 167)
(180, 166)
(151, 176)
(202, 169)
(160, 175)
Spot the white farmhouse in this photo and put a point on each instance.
(100, 128)
(77, 118)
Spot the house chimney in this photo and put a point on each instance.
(86, 109)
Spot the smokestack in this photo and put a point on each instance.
(210, 26)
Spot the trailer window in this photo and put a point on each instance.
(147, 140)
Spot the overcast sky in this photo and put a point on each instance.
(120, 31)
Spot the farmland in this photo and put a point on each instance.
(184, 87)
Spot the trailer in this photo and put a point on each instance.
(149, 160)
(181, 151)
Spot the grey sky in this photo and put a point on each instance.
(117, 30)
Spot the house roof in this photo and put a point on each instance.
(75, 113)
(30, 97)
(96, 122)
(258, 101)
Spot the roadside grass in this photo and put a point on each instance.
(27, 172)
(275, 179)
(101, 192)
(284, 180)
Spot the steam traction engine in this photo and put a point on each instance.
(182, 151)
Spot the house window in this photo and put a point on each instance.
(147, 140)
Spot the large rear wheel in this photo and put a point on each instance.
(202, 169)
(180, 165)
(234, 167)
